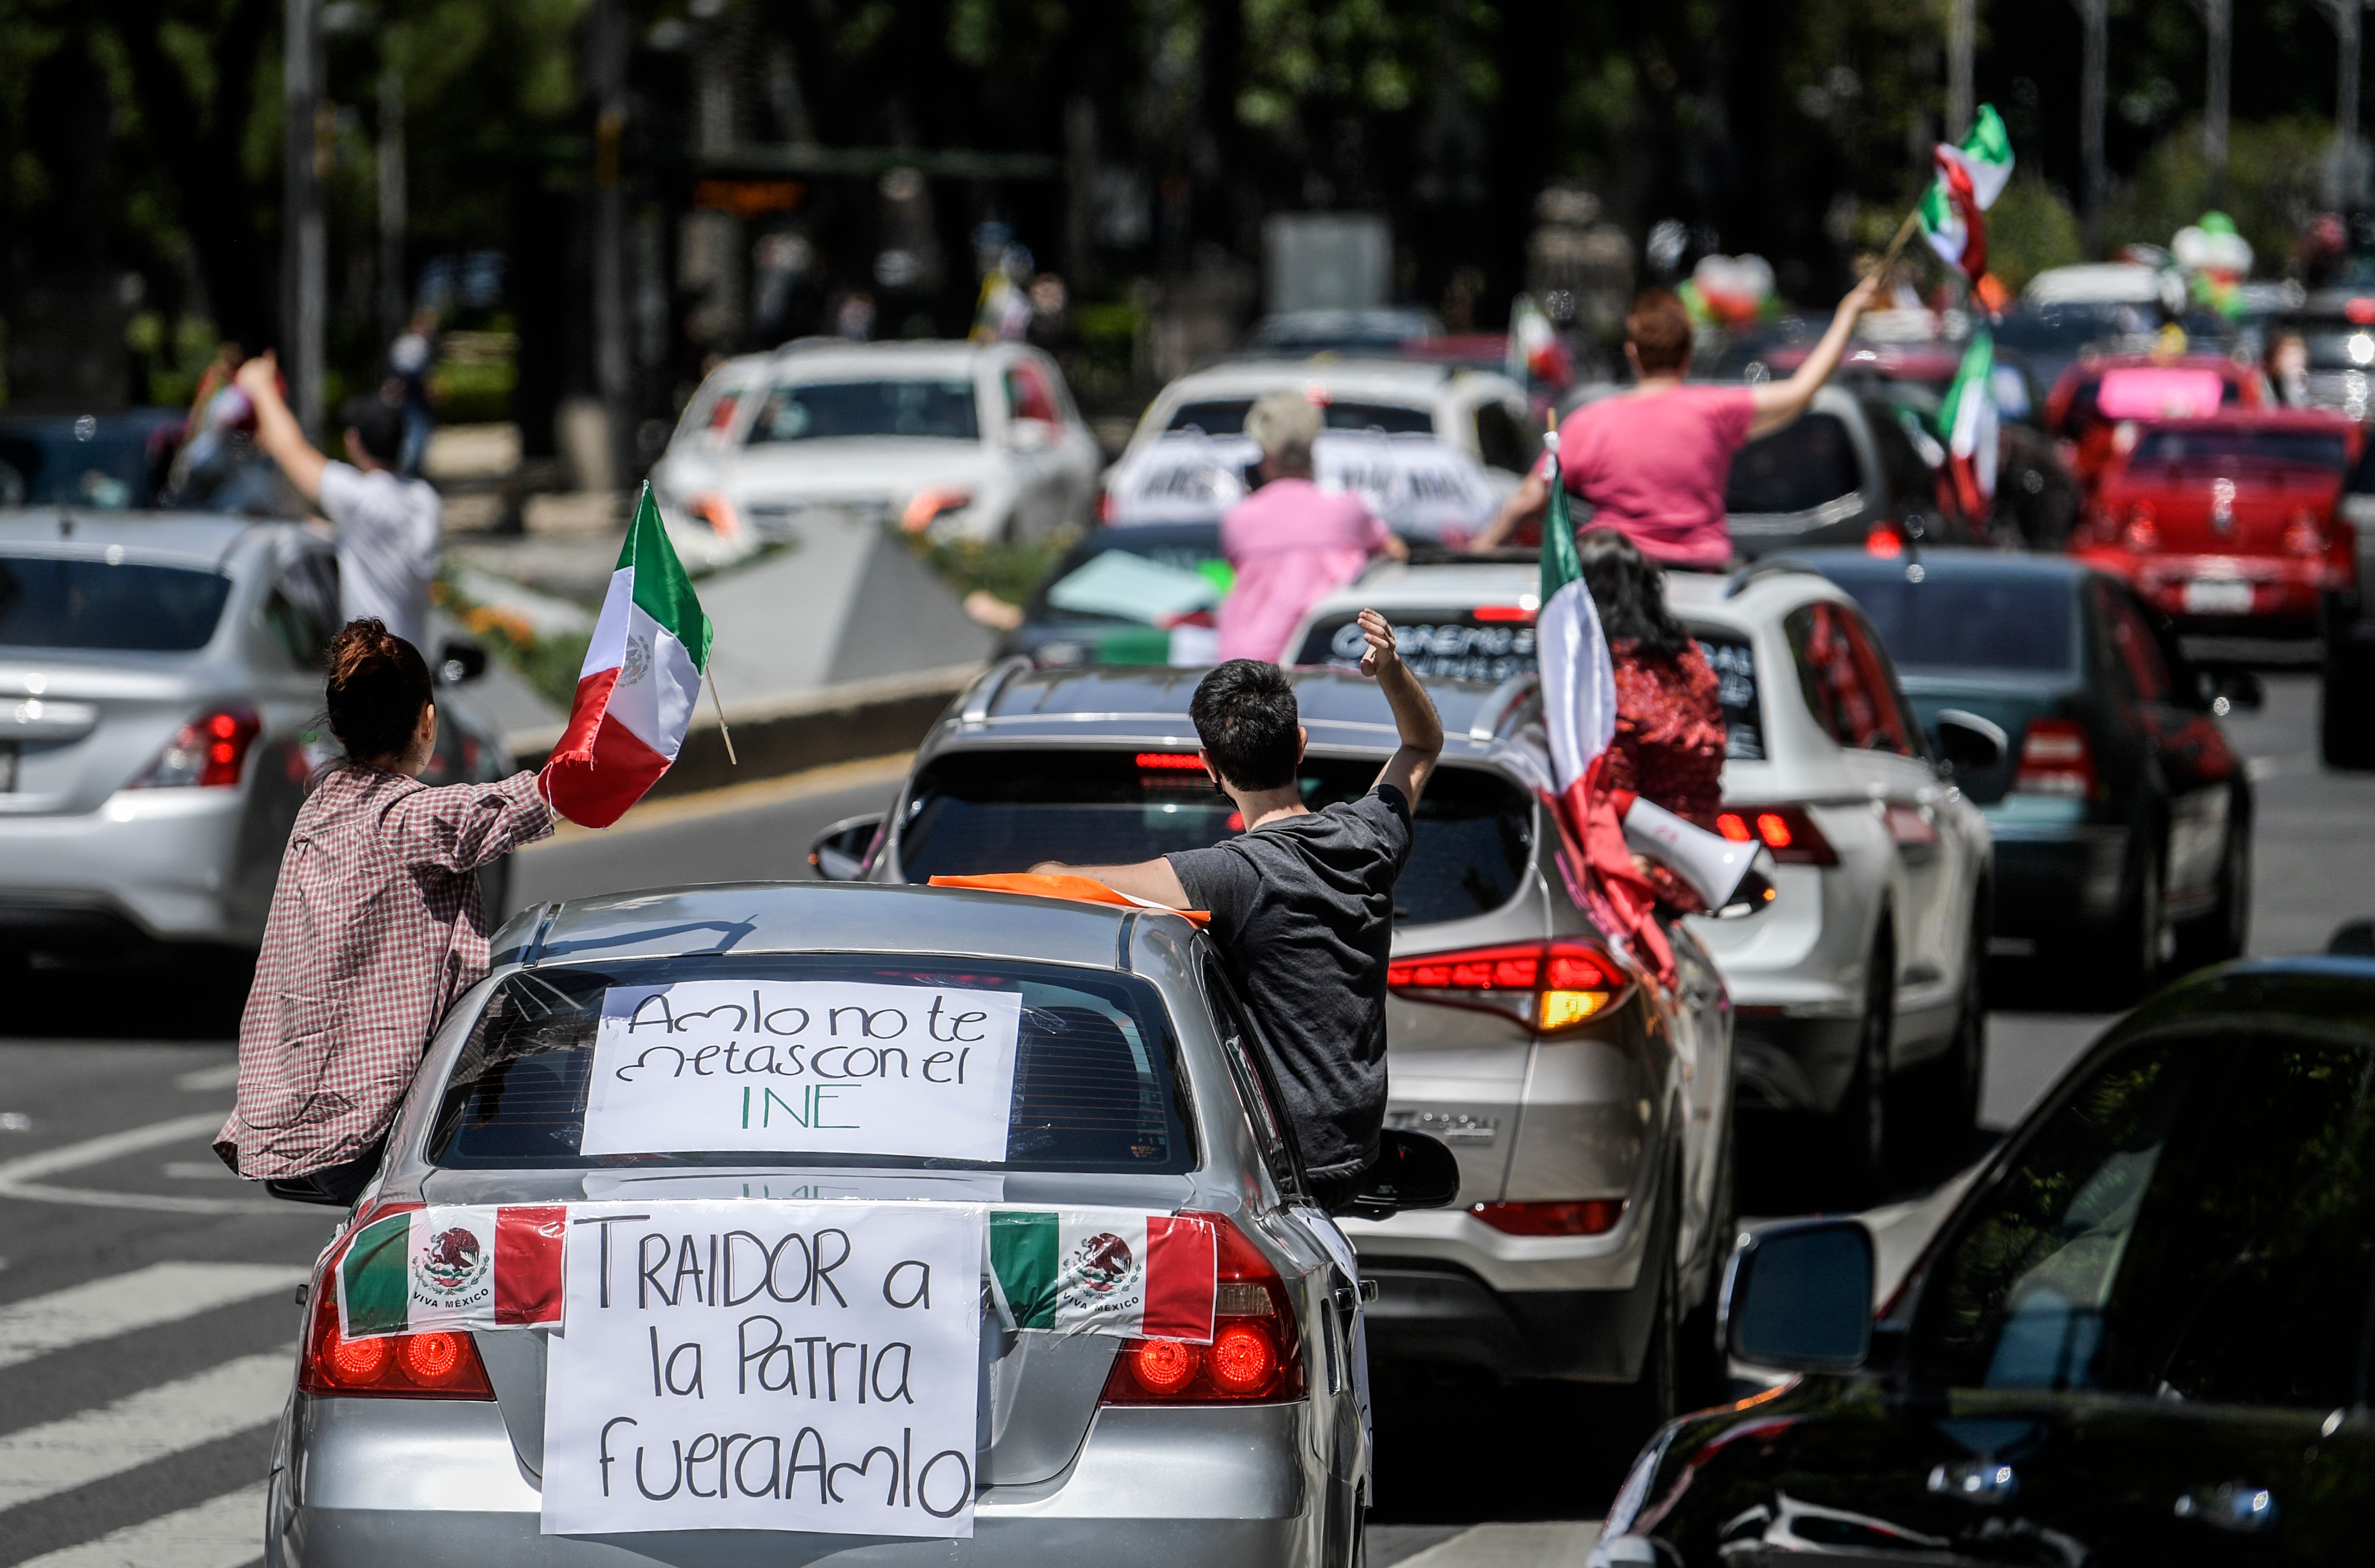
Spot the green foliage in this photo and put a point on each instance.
(1008, 572)
(2271, 187)
(550, 665)
(2029, 229)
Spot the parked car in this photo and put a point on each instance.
(1137, 596)
(2121, 815)
(1589, 1103)
(2138, 1337)
(102, 462)
(1868, 964)
(162, 715)
(959, 440)
(2231, 527)
(1133, 1087)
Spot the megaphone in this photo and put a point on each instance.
(1724, 874)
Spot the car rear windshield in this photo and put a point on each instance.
(1096, 1078)
(1796, 468)
(825, 410)
(128, 606)
(2172, 446)
(1226, 417)
(1957, 624)
(1149, 577)
(982, 811)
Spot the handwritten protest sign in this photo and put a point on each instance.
(817, 1067)
(756, 1365)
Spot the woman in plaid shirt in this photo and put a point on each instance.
(376, 927)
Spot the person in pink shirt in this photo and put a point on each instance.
(1653, 461)
(1291, 543)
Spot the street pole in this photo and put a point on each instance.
(2218, 37)
(392, 197)
(2343, 15)
(2095, 15)
(1962, 46)
(609, 51)
(303, 249)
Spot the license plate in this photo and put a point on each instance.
(2208, 596)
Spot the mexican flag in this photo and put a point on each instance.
(452, 1267)
(636, 692)
(1968, 419)
(1115, 1271)
(1970, 177)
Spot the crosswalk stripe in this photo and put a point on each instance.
(162, 1293)
(41, 1461)
(224, 1532)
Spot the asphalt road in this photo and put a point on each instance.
(146, 1319)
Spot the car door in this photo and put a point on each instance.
(2186, 753)
(1035, 439)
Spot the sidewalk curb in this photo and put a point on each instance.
(837, 724)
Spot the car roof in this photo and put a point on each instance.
(202, 538)
(734, 918)
(2094, 283)
(2191, 359)
(1849, 562)
(1739, 598)
(2322, 993)
(1254, 376)
(810, 357)
(2322, 420)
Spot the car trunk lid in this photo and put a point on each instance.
(76, 729)
(2238, 510)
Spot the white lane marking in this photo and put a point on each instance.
(197, 1170)
(224, 1532)
(200, 1079)
(160, 1293)
(19, 1178)
(1552, 1544)
(41, 1461)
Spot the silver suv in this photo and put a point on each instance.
(1589, 1104)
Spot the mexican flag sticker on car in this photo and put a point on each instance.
(1103, 1271)
(453, 1267)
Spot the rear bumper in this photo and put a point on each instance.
(2051, 880)
(160, 864)
(1441, 1313)
(399, 1483)
(2286, 594)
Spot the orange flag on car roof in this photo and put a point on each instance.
(1080, 890)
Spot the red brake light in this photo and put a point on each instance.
(1883, 541)
(1788, 831)
(2143, 527)
(1733, 826)
(2359, 313)
(1550, 986)
(438, 1365)
(1170, 760)
(1580, 1216)
(208, 752)
(2302, 535)
(1255, 1354)
(1105, 506)
(2055, 758)
(1502, 612)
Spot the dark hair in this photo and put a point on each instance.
(1245, 715)
(1630, 593)
(1658, 328)
(378, 425)
(379, 683)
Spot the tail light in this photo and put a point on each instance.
(717, 512)
(2143, 532)
(1256, 1353)
(2055, 758)
(929, 503)
(1548, 985)
(207, 752)
(1885, 540)
(1105, 507)
(442, 1364)
(1787, 830)
(1565, 1217)
(2303, 535)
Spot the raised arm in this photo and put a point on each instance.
(1779, 402)
(1526, 504)
(463, 826)
(1415, 716)
(276, 430)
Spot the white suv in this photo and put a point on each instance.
(1870, 960)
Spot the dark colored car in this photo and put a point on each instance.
(2122, 818)
(105, 461)
(2139, 1336)
(1119, 597)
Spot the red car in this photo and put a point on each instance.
(2230, 524)
(2093, 395)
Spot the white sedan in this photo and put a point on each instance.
(959, 440)
(1870, 962)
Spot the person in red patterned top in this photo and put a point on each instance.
(1669, 732)
(376, 926)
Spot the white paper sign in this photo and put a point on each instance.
(808, 1066)
(751, 1365)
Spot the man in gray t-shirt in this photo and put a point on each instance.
(389, 528)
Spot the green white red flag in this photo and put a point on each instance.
(453, 1267)
(1116, 1271)
(1971, 422)
(641, 676)
(1970, 177)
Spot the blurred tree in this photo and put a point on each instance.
(2030, 229)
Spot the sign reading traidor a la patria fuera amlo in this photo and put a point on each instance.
(756, 1365)
(811, 1066)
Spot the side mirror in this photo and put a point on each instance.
(838, 854)
(1412, 1171)
(1754, 896)
(1969, 743)
(2351, 938)
(1798, 1296)
(2232, 690)
(458, 662)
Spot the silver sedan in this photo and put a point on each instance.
(1132, 1087)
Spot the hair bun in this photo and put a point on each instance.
(378, 685)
